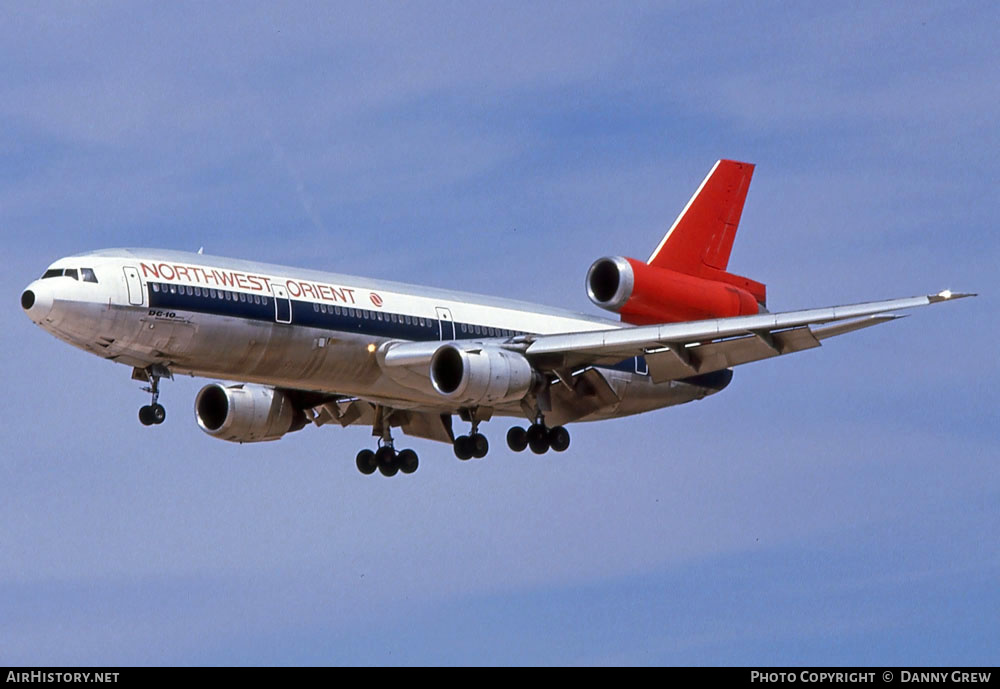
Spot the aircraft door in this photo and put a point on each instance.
(134, 284)
(446, 324)
(282, 304)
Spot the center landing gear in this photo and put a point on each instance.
(152, 414)
(473, 445)
(538, 437)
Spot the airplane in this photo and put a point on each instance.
(307, 347)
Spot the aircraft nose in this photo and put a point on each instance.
(36, 302)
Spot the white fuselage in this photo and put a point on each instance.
(294, 328)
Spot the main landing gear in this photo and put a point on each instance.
(539, 437)
(152, 414)
(387, 461)
(385, 458)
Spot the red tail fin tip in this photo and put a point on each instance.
(703, 233)
(701, 239)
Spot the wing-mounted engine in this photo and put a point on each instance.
(645, 294)
(246, 413)
(466, 376)
(484, 375)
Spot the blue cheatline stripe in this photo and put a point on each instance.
(336, 318)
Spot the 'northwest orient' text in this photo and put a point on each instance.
(213, 277)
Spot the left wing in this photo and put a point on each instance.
(681, 350)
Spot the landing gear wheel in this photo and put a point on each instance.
(158, 414)
(517, 439)
(146, 415)
(558, 439)
(366, 462)
(407, 460)
(386, 460)
(464, 447)
(480, 445)
(538, 438)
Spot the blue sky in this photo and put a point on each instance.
(835, 507)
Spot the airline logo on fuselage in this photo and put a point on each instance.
(222, 279)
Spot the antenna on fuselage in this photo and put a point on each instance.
(201, 250)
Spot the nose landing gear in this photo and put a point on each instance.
(152, 414)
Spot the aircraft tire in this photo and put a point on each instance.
(146, 415)
(408, 461)
(386, 460)
(479, 444)
(538, 438)
(463, 447)
(558, 439)
(158, 414)
(517, 439)
(366, 462)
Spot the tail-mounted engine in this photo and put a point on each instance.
(246, 413)
(685, 278)
(644, 294)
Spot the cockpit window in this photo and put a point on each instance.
(85, 274)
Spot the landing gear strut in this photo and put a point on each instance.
(385, 459)
(539, 437)
(152, 414)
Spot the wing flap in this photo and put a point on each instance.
(428, 425)
(590, 393)
(346, 412)
(829, 331)
(714, 356)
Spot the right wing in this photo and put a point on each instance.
(682, 350)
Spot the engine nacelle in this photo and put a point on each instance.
(484, 375)
(246, 413)
(645, 294)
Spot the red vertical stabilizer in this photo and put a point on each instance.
(686, 278)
